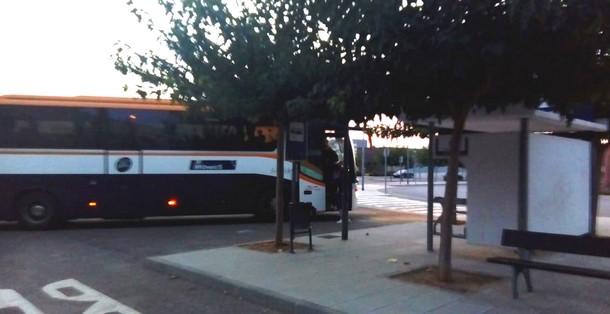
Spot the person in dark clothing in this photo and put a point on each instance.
(332, 174)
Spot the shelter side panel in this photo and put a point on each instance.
(559, 185)
(492, 164)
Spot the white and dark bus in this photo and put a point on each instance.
(64, 158)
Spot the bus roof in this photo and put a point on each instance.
(91, 101)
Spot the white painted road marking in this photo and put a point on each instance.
(386, 202)
(396, 204)
(12, 299)
(103, 304)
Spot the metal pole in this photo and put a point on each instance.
(293, 206)
(407, 163)
(595, 176)
(346, 193)
(430, 216)
(401, 167)
(296, 169)
(385, 170)
(362, 167)
(522, 210)
(523, 176)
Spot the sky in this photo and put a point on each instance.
(65, 48)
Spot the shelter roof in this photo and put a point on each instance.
(509, 120)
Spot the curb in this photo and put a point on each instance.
(249, 292)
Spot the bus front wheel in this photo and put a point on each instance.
(37, 211)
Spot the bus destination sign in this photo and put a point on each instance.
(213, 164)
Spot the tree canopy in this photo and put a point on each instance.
(364, 57)
(249, 61)
(254, 61)
(354, 59)
(433, 57)
(445, 58)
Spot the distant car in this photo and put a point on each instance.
(403, 173)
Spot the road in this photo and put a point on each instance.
(418, 190)
(411, 189)
(100, 265)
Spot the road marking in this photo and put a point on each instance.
(398, 204)
(103, 304)
(387, 202)
(12, 299)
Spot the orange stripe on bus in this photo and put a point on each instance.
(91, 102)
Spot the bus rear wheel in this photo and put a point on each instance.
(37, 211)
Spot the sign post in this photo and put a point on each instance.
(296, 151)
(362, 167)
(386, 152)
(362, 145)
(407, 167)
(400, 163)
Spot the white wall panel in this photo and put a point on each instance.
(492, 165)
(558, 185)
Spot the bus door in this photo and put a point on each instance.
(122, 189)
(343, 176)
(327, 152)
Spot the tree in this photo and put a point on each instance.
(409, 58)
(250, 62)
(445, 58)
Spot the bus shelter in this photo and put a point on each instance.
(528, 169)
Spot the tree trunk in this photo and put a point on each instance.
(279, 186)
(449, 205)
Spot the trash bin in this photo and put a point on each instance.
(300, 221)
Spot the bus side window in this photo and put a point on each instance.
(21, 128)
(188, 137)
(264, 138)
(153, 128)
(57, 133)
(52, 127)
(88, 129)
(118, 128)
(7, 130)
(25, 131)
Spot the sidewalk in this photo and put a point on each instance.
(353, 276)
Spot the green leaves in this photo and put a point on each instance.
(432, 57)
(357, 58)
(239, 63)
